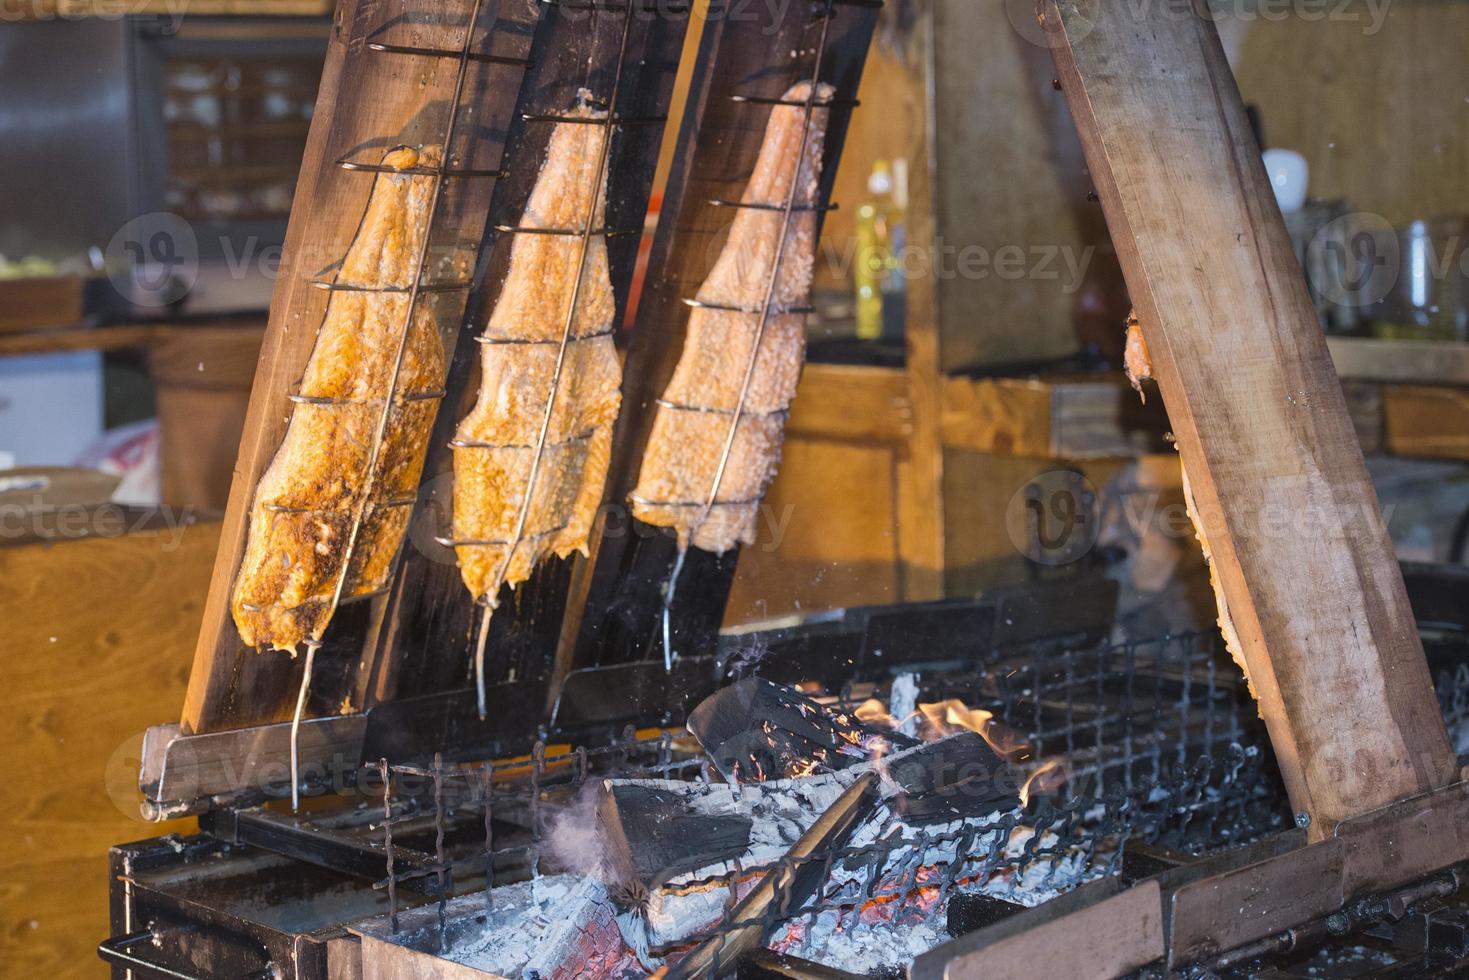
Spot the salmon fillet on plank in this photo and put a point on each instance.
(695, 414)
(301, 516)
(496, 446)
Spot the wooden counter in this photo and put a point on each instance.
(98, 633)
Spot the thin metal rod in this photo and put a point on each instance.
(720, 202)
(452, 542)
(441, 881)
(311, 647)
(668, 588)
(480, 643)
(332, 286)
(765, 311)
(491, 59)
(553, 117)
(710, 410)
(438, 173)
(489, 341)
(604, 231)
(759, 100)
(380, 434)
(387, 775)
(600, 179)
(487, 789)
(700, 304)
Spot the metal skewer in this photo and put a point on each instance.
(311, 648)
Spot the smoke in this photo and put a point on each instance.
(744, 658)
(574, 841)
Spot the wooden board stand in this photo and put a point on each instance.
(1300, 550)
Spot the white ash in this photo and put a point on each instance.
(530, 925)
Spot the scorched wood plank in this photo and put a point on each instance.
(1300, 551)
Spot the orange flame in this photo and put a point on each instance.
(1047, 776)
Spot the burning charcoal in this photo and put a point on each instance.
(968, 913)
(558, 927)
(582, 939)
(651, 833)
(754, 730)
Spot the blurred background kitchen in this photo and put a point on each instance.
(967, 348)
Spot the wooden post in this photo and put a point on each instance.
(1300, 551)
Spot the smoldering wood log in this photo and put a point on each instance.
(756, 730)
(650, 834)
(1312, 596)
(951, 778)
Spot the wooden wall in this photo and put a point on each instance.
(1380, 108)
(96, 645)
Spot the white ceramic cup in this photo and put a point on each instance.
(1289, 174)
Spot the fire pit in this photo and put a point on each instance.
(1093, 757)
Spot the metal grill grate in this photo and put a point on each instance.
(1160, 738)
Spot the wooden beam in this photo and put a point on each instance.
(1421, 361)
(1300, 551)
(367, 101)
(920, 484)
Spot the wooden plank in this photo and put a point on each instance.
(1406, 841)
(862, 404)
(98, 634)
(1300, 550)
(1060, 417)
(1106, 936)
(1236, 907)
(201, 380)
(1009, 416)
(54, 341)
(1421, 361)
(922, 546)
(1426, 421)
(368, 102)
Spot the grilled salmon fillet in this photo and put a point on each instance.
(305, 503)
(697, 411)
(498, 444)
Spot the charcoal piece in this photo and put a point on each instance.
(952, 778)
(653, 834)
(967, 913)
(754, 730)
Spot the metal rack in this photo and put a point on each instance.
(635, 603)
(764, 311)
